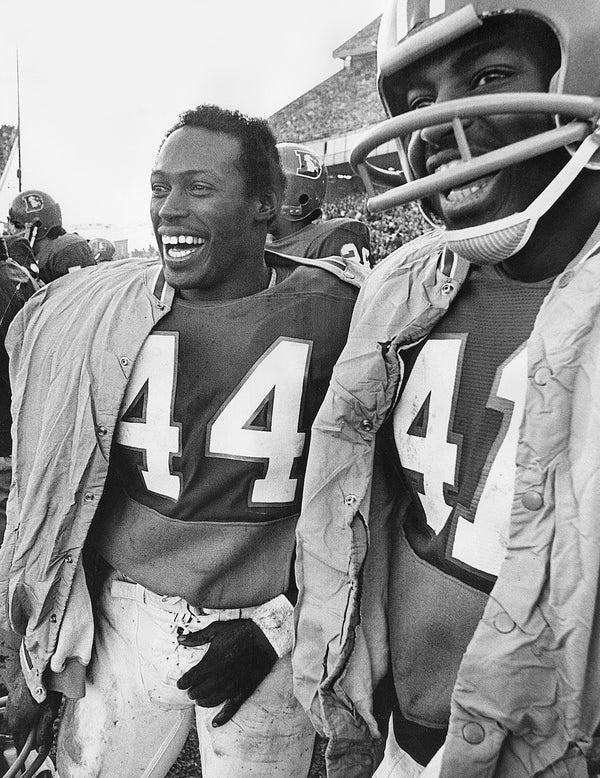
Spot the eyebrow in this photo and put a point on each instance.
(464, 58)
(191, 172)
(479, 49)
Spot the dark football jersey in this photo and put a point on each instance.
(214, 425)
(64, 254)
(453, 436)
(348, 238)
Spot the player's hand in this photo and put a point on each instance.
(238, 659)
(23, 714)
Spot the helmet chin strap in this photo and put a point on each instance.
(495, 241)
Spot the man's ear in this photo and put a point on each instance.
(267, 206)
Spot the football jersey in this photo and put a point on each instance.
(453, 435)
(56, 257)
(348, 238)
(211, 441)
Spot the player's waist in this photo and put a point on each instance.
(432, 618)
(209, 564)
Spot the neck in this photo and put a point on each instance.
(560, 233)
(255, 279)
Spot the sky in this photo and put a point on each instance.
(101, 82)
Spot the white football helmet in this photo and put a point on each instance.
(413, 29)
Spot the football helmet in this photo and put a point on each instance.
(411, 30)
(34, 207)
(102, 249)
(306, 177)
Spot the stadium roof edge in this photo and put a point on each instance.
(363, 43)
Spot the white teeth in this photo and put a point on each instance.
(456, 195)
(448, 165)
(465, 191)
(174, 240)
(177, 253)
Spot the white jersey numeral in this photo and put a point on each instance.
(350, 251)
(422, 423)
(481, 543)
(152, 386)
(258, 422)
(275, 385)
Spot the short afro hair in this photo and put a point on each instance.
(259, 156)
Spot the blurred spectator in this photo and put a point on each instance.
(298, 229)
(37, 216)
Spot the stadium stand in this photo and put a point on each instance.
(7, 137)
(330, 118)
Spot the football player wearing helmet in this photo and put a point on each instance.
(37, 216)
(298, 229)
(103, 249)
(470, 607)
(183, 397)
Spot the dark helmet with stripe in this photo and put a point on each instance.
(35, 207)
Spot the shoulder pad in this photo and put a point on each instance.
(349, 270)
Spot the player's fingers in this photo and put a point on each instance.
(228, 710)
(212, 669)
(198, 638)
(217, 688)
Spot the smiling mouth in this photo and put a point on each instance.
(463, 192)
(181, 246)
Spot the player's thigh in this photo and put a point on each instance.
(270, 736)
(133, 721)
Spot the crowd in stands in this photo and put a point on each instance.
(342, 103)
(7, 137)
(388, 230)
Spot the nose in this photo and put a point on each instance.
(437, 135)
(174, 206)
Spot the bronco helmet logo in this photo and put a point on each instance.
(33, 202)
(308, 165)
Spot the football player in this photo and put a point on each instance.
(298, 229)
(37, 216)
(103, 249)
(164, 413)
(474, 354)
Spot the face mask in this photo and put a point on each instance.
(495, 241)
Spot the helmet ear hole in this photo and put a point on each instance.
(303, 199)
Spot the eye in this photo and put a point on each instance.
(490, 76)
(199, 187)
(420, 101)
(158, 189)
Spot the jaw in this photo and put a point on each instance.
(477, 202)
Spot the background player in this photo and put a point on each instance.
(486, 371)
(298, 229)
(38, 217)
(209, 371)
(103, 249)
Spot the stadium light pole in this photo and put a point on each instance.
(19, 173)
